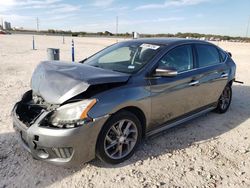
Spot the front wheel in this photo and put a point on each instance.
(119, 138)
(224, 100)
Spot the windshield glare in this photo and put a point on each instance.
(124, 57)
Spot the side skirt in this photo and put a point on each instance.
(180, 121)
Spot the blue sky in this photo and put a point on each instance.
(145, 16)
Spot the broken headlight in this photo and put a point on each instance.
(72, 114)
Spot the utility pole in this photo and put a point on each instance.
(37, 24)
(116, 26)
(248, 24)
(116, 30)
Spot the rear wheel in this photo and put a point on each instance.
(119, 138)
(224, 100)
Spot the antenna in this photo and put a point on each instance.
(37, 24)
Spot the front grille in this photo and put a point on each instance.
(63, 152)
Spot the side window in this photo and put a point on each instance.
(180, 58)
(207, 55)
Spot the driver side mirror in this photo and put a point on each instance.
(166, 72)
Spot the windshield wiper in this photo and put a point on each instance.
(119, 71)
(82, 61)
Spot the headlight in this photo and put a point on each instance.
(72, 114)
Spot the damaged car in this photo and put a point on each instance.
(104, 105)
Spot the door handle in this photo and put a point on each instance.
(193, 83)
(224, 75)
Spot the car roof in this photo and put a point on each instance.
(167, 41)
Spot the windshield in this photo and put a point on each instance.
(124, 57)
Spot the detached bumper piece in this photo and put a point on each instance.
(60, 146)
(49, 144)
(36, 139)
(26, 122)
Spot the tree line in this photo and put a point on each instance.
(130, 35)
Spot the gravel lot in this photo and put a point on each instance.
(210, 151)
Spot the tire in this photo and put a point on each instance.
(224, 100)
(114, 144)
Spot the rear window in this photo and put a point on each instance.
(207, 55)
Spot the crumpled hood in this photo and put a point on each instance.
(57, 81)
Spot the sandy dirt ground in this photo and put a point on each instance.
(210, 151)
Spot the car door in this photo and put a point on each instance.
(213, 72)
(172, 97)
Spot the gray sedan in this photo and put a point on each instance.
(104, 105)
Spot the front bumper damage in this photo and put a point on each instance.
(66, 147)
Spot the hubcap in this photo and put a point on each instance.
(225, 98)
(120, 139)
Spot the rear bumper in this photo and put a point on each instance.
(66, 147)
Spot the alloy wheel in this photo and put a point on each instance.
(225, 98)
(120, 139)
